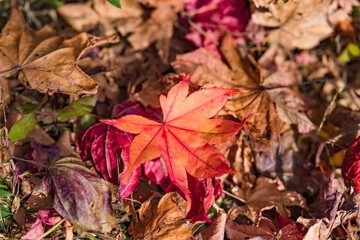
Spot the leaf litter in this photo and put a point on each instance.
(179, 119)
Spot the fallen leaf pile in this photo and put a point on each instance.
(179, 119)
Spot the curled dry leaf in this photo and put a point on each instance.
(287, 230)
(163, 218)
(81, 197)
(266, 194)
(46, 61)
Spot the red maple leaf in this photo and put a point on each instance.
(185, 136)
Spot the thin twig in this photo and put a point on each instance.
(7, 142)
(299, 84)
(201, 31)
(233, 196)
(51, 229)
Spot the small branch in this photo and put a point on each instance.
(233, 196)
(201, 10)
(299, 84)
(51, 229)
(201, 31)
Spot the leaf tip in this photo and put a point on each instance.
(187, 77)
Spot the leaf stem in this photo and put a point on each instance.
(10, 71)
(51, 229)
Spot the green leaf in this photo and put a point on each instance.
(355, 12)
(116, 3)
(80, 107)
(55, 3)
(4, 193)
(350, 52)
(22, 127)
(30, 107)
(87, 121)
(5, 212)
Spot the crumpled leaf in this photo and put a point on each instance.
(46, 61)
(301, 24)
(22, 127)
(214, 18)
(109, 148)
(163, 218)
(185, 147)
(80, 107)
(266, 194)
(351, 166)
(158, 28)
(334, 211)
(241, 76)
(287, 230)
(81, 197)
(86, 16)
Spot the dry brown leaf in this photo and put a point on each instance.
(158, 28)
(243, 75)
(302, 24)
(46, 61)
(83, 16)
(80, 16)
(266, 230)
(153, 88)
(163, 218)
(266, 194)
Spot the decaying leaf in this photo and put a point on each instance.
(45, 61)
(243, 75)
(81, 197)
(163, 218)
(301, 24)
(265, 195)
(286, 230)
(185, 147)
(86, 16)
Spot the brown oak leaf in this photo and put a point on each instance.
(45, 61)
(163, 218)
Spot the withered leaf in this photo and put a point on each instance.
(266, 194)
(81, 197)
(46, 61)
(301, 24)
(163, 218)
(286, 230)
(243, 75)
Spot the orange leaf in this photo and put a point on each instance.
(184, 136)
